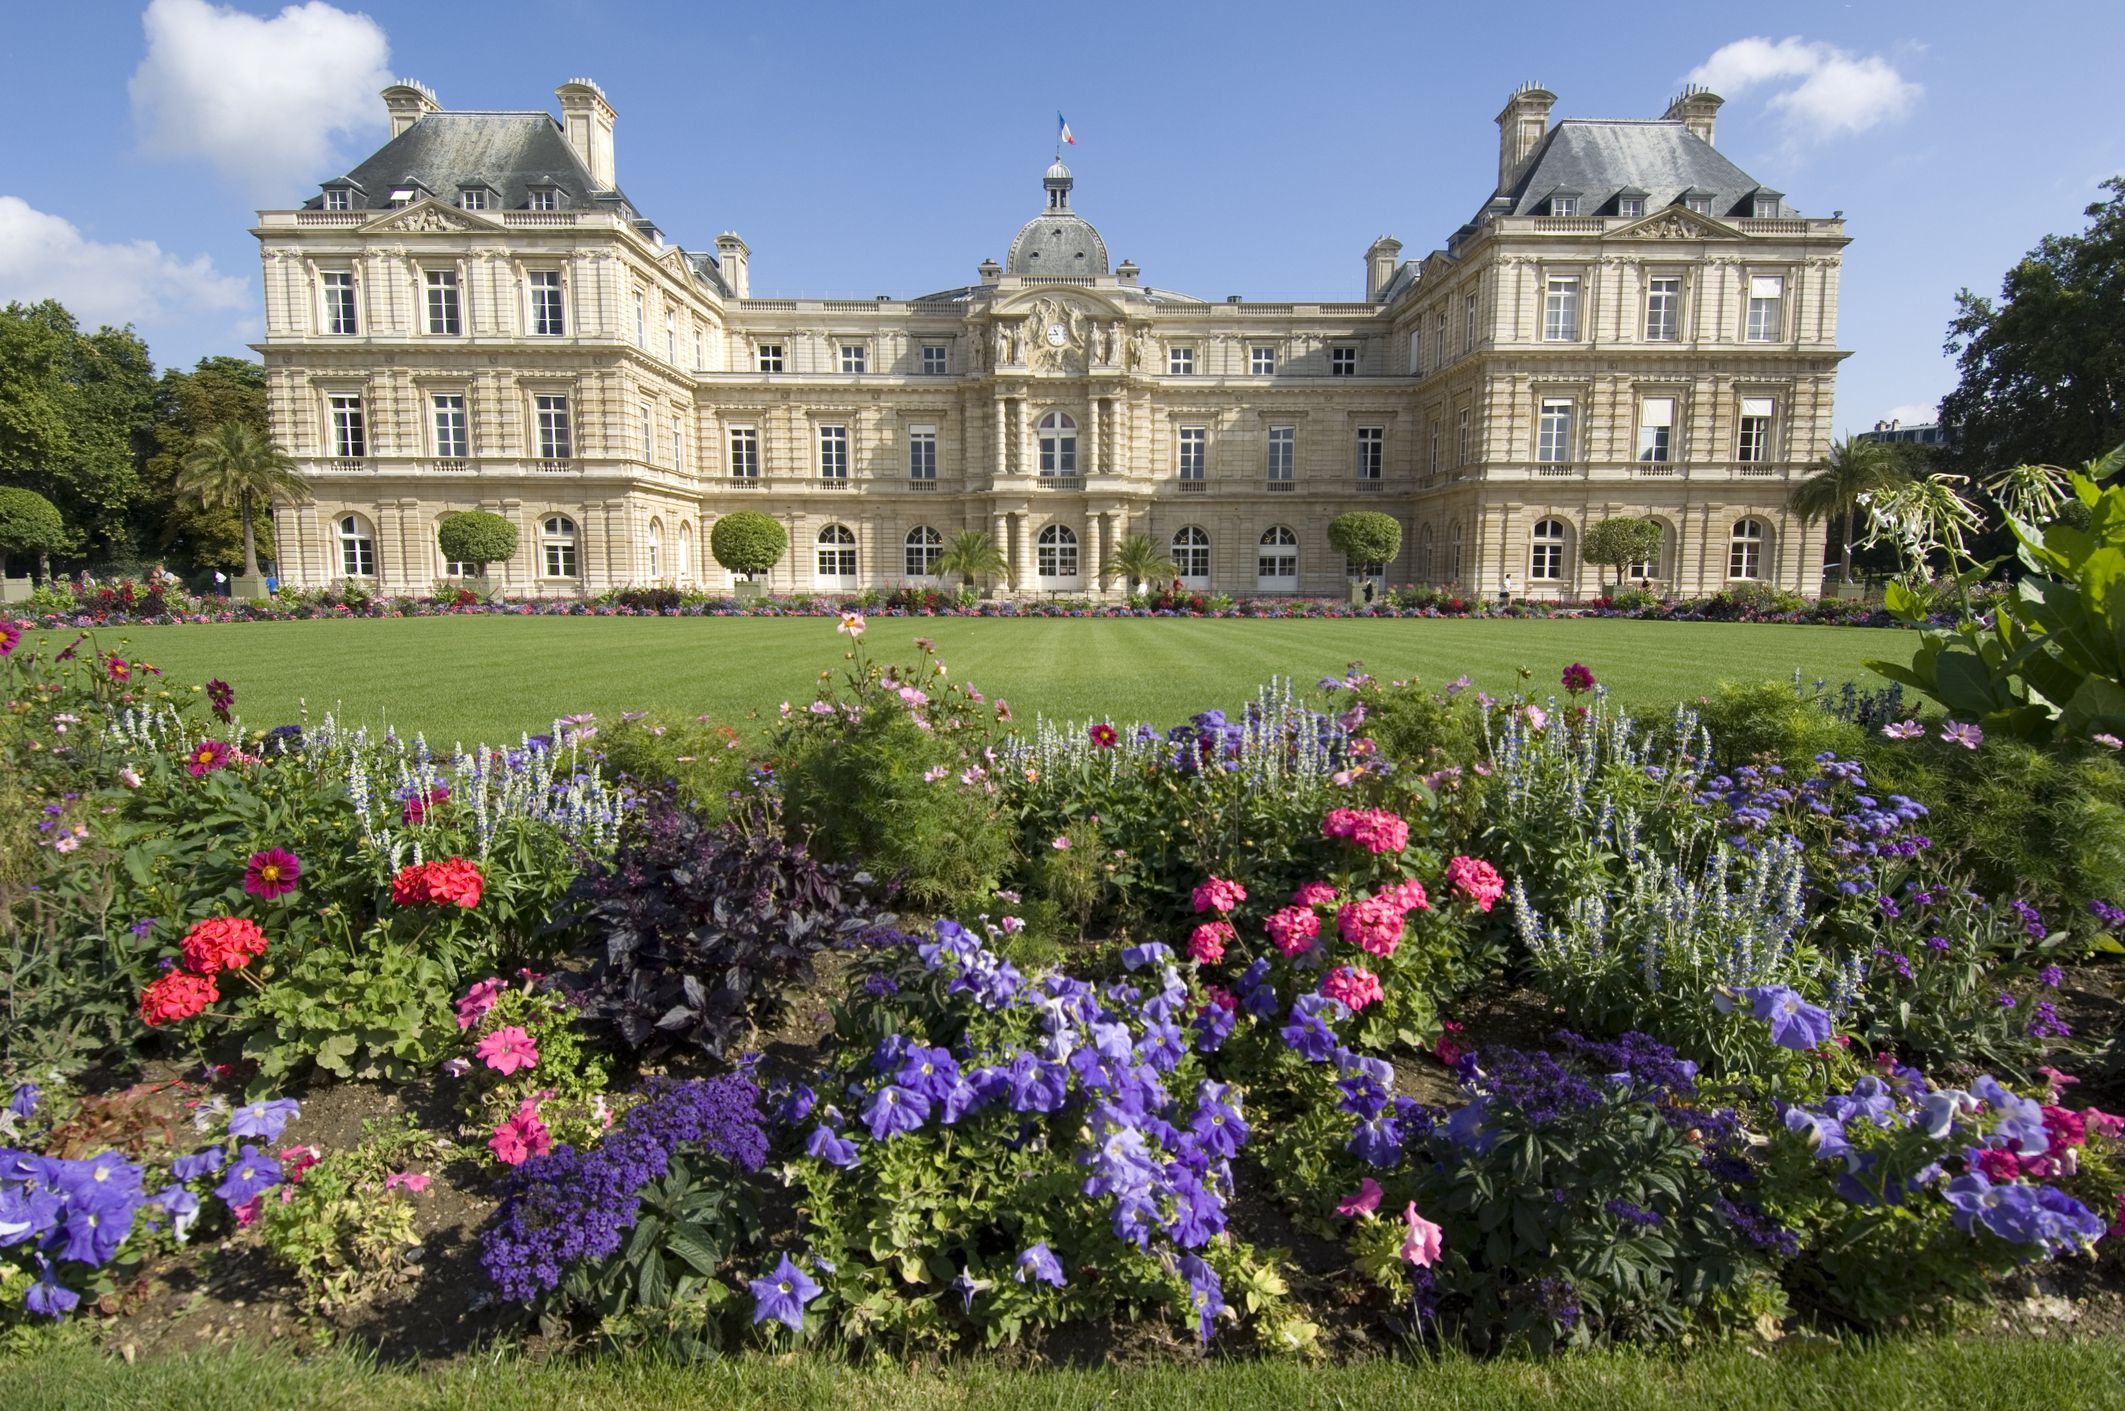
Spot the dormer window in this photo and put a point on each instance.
(473, 198)
(402, 196)
(339, 198)
(1699, 200)
(1630, 207)
(545, 198)
(1564, 205)
(1765, 206)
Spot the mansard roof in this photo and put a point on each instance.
(509, 153)
(1600, 158)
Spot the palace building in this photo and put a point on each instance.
(476, 317)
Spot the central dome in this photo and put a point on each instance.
(1058, 241)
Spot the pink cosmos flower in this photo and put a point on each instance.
(477, 1001)
(1537, 719)
(1219, 895)
(1314, 894)
(272, 873)
(1061, 844)
(1206, 944)
(508, 1049)
(1421, 1245)
(1903, 730)
(1958, 733)
(851, 624)
(1364, 1201)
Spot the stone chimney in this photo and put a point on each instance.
(1380, 262)
(1522, 124)
(1696, 109)
(408, 101)
(732, 254)
(587, 120)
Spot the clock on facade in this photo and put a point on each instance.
(1057, 335)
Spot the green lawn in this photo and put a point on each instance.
(489, 678)
(2019, 1375)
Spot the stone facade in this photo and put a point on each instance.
(477, 318)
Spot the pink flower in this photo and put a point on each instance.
(508, 1049)
(1376, 830)
(1062, 844)
(1218, 895)
(1353, 986)
(1475, 880)
(1364, 1201)
(1421, 1245)
(247, 1213)
(521, 1136)
(1998, 1165)
(408, 1180)
(1537, 719)
(1903, 730)
(1206, 944)
(477, 1001)
(1449, 1048)
(1374, 924)
(1314, 894)
(1293, 929)
(2103, 1124)
(271, 873)
(1958, 733)
(295, 1160)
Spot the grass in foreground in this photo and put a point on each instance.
(1889, 1376)
(492, 678)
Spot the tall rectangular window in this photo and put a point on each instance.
(1663, 309)
(1342, 362)
(350, 437)
(1468, 322)
(546, 318)
(451, 442)
(678, 444)
(1180, 362)
(1431, 436)
(649, 434)
(933, 360)
(1372, 452)
(556, 443)
(1553, 438)
(833, 453)
(1767, 298)
(1283, 452)
(442, 303)
(1753, 446)
(769, 357)
(852, 357)
(1416, 351)
(744, 453)
(1560, 309)
(339, 302)
(1190, 452)
(641, 322)
(1261, 362)
(1656, 429)
(671, 336)
(1464, 437)
(922, 453)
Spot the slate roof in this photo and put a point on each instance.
(507, 152)
(1057, 242)
(1599, 159)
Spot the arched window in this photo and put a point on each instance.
(1453, 552)
(1058, 444)
(1648, 569)
(1545, 556)
(557, 536)
(924, 547)
(656, 550)
(1745, 551)
(1055, 553)
(1276, 562)
(1424, 553)
(837, 552)
(686, 552)
(1191, 555)
(357, 548)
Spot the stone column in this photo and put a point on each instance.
(1021, 557)
(1092, 462)
(1000, 534)
(1002, 442)
(1095, 530)
(1027, 463)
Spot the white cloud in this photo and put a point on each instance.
(1823, 91)
(1914, 413)
(265, 100)
(43, 256)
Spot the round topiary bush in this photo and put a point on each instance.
(1366, 537)
(748, 542)
(29, 524)
(476, 536)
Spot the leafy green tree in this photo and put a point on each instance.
(1368, 538)
(237, 464)
(213, 393)
(1138, 560)
(30, 524)
(476, 536)
(972, 554)
(73, 405)
(1618, 543)
(2043, 367)
(748, 542)
(1833, 489)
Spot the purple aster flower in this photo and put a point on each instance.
(1041, 1266)
(251, 1173)
(827, 1145)
(264, 1121)
(1795, 1024)
(894, 1109)
(782, 1294)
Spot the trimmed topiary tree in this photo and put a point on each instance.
(476, 536)
(1619, 543)
(31, 524)
(748, 542)
(1367, 538)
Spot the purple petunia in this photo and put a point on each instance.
(264, 1121)
(252, 1173)
(1795, 1024)
(894, 1109)
(829, 1146)
(1040, 1265)
(782, 1294)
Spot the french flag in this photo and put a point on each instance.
(1063, 134)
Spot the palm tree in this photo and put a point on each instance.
(1138, 559)
(237, 464)
(1854, 470)
(972, 554)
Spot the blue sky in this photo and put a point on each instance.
(1234, 148)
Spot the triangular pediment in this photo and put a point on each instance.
(1675, 223)
(428, 216)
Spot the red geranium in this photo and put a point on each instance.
(453, 882)
(221, 943)
(176, 995)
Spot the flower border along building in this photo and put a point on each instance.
(476, 317)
